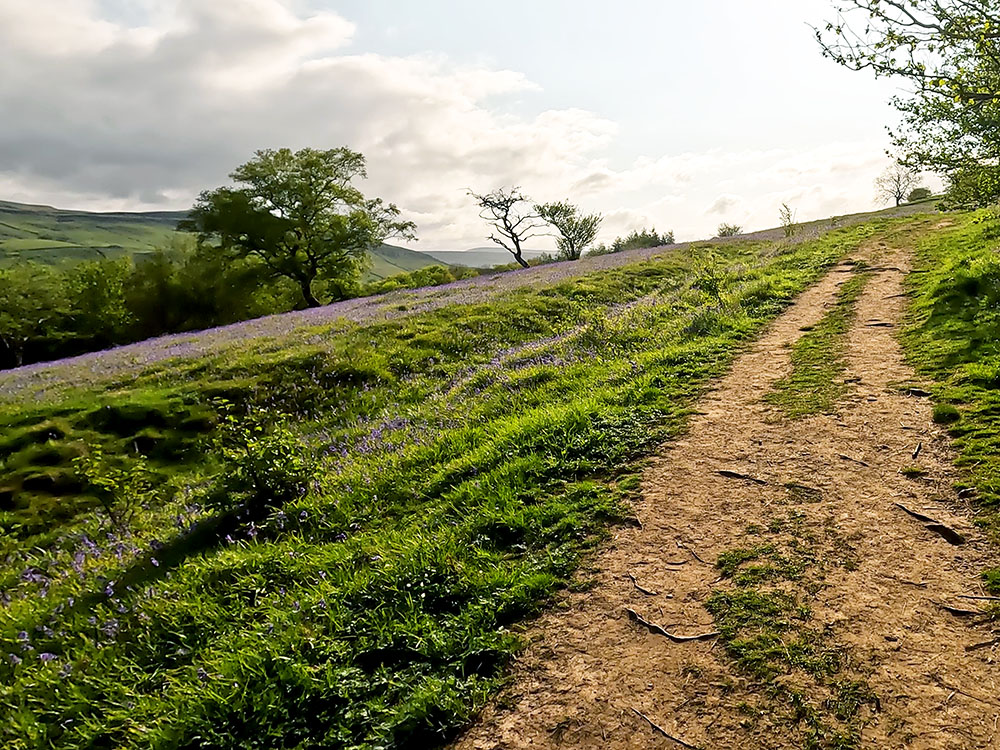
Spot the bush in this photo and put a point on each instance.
(918, 194)
(121, 488)
(429, 276)
(634, 240)
(729, 230)
(972, 187)
(787, 217)
(266, 466)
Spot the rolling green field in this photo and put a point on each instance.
(331, 540)
(54, 236)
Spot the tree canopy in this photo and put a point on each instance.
(949, 51)
(298, 214)
(576, 230)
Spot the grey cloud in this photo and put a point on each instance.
(723, 204)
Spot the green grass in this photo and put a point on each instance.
(58, 237)
(802, 680)
(815, 382)
(953, 340)
(465, 460)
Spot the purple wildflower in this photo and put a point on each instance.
(14, 659)
(46, 656)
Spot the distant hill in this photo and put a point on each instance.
(57, 236)
(478, 257)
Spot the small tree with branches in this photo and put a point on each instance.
(513, 218)
(895, 183)
(576, 231)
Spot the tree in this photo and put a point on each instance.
(298, 214)
(576, 231)
(918, 194)
(895, 182)
(33, 311)
(949, 51)
(729, 230)
(513, 218)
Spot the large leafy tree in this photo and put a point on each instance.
(949, 52)
(298, 214)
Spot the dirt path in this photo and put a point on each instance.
(874, 588)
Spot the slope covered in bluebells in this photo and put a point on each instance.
(326, 537)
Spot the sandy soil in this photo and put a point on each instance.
(589, 667)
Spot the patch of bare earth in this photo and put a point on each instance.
(590, 668)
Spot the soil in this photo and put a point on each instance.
(590, 669)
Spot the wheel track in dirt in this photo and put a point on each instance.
(589, 667)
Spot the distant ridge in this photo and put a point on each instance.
(479, 257)
(57, 236)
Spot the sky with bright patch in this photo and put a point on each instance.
(667, 113)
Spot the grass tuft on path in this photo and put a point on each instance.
(803, 683)
(815, 383)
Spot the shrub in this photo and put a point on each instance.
(634, 240)
(266, 466)
(120, 488)
(787, 217)
(918, 194)
(972, 187)
(429, 276)
(729, 230)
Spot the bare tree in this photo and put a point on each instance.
(895, 183)
(576, 231)
(513, 218)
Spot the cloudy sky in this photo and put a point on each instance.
(670, 113)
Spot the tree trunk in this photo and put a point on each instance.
(520, 260)
(306, 286)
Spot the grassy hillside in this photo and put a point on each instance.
(953, 339)
(50, 235)
(54, 236)
(313, 532)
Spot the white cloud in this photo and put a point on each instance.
(112, 116)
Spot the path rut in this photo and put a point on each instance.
(589, 668)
